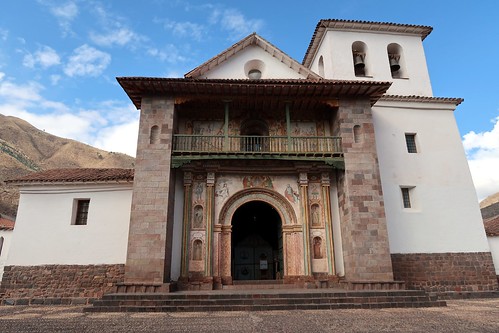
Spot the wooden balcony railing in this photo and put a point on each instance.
(257, 145)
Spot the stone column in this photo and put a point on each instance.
(364, 232)
(325, 186)
(303, 182)
(226, 254)
(217, 251)
(186, 225)
(151, 220)
(210, 208)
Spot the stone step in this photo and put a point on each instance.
(259, 301)
(261, 286)
(252, 307)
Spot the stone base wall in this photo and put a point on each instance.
(442, 272)
(56, 283)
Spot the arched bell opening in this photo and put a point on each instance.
(257, 242)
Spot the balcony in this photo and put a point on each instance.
(311, 148)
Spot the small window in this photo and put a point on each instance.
(1, 245)
(81, 216)
(356, 134)
(321, 66)
(154, 135)
(406, 197)
(254, 74)
(410, 140)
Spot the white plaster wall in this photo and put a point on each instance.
(494, 249)
(44, 234)
(234, 67)
(7, 235)
(336, 49)
(445, 216)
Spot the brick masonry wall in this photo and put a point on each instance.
(149, 251)
(442, 272)
(362, 212)
(57, 282)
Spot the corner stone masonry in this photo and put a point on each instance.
(442, 272)
(58, 284)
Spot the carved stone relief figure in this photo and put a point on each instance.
(198, 191)
(198, 217)
(197, 250)
(316, 215)
(317, 248)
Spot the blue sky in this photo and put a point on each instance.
(59, 59)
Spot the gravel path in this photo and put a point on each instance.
(459, 316)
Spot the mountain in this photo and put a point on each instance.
(25, 149)
(490, 200)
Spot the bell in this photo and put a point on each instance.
(394, 64)
(358, 62)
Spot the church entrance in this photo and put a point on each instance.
(257, 242)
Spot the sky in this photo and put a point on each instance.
(59, 59)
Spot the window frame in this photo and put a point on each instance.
(412, 147)
(406, 197)
(81, 208)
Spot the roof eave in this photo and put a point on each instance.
(137, 87)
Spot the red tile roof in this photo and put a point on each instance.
(79, 175)
(492, 226)
(421, 99)
(6, 224)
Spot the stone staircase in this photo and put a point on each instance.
(261, 285)
(263, 300)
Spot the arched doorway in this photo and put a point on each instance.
(257, 246)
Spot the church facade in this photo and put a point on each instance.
(341, 169)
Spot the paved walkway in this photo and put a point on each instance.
(459, 316)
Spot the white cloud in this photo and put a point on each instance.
(235, 22)
(121, 37)
(87, 61)
(21, 94)
(4, 34)
(45, 57)
(64, 13)
(119, 138)
(110, 125)
(482, 150)
(168, 53)
(67, 11)
(54, 79)
(2, 75)
(186, 29)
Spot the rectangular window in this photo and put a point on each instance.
(406, 198)
(410, 140)
(81, 211)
